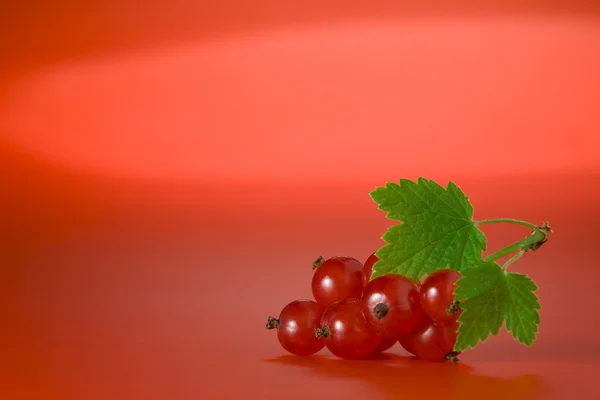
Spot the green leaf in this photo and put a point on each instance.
(489, 296)
(521, 314)
(437, 229)
(482, 292)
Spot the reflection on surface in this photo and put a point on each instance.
(110, 285)
(394, 376)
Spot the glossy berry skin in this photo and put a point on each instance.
(384, 344)
(338, 278)
(431, 342)
(368, 268)
(407, 344)
(437, 293)
(346, 332)
(391, 305)
(296, 327)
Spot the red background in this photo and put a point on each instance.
(169, 171)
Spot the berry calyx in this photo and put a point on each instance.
(453, 308)
(322, 332)
(296, 326)
(452, 357)
(380, 310)
(336, 279)
(391, 305)
(346, 332)
(273, 323)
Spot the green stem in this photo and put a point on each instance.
(505, 221)
(513, 259)
(529, 243)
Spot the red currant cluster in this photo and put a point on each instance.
(356, 317)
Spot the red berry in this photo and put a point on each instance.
(368, 268)
(391, 305)
(296, 327)
(407, 344)
(336, 279)
(346, 332)
(384, 344)
(431, 342)
(437, 296)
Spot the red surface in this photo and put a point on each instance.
(170, 172)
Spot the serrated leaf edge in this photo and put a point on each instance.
(503, 325)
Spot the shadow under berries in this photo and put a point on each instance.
(395, 376)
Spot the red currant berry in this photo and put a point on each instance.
(337, 279)
(346, 332)
(437, 296)
(406, 344)
(391, 305)
(296, 327)
(431, 342)
(368, 268)
(384, 344)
